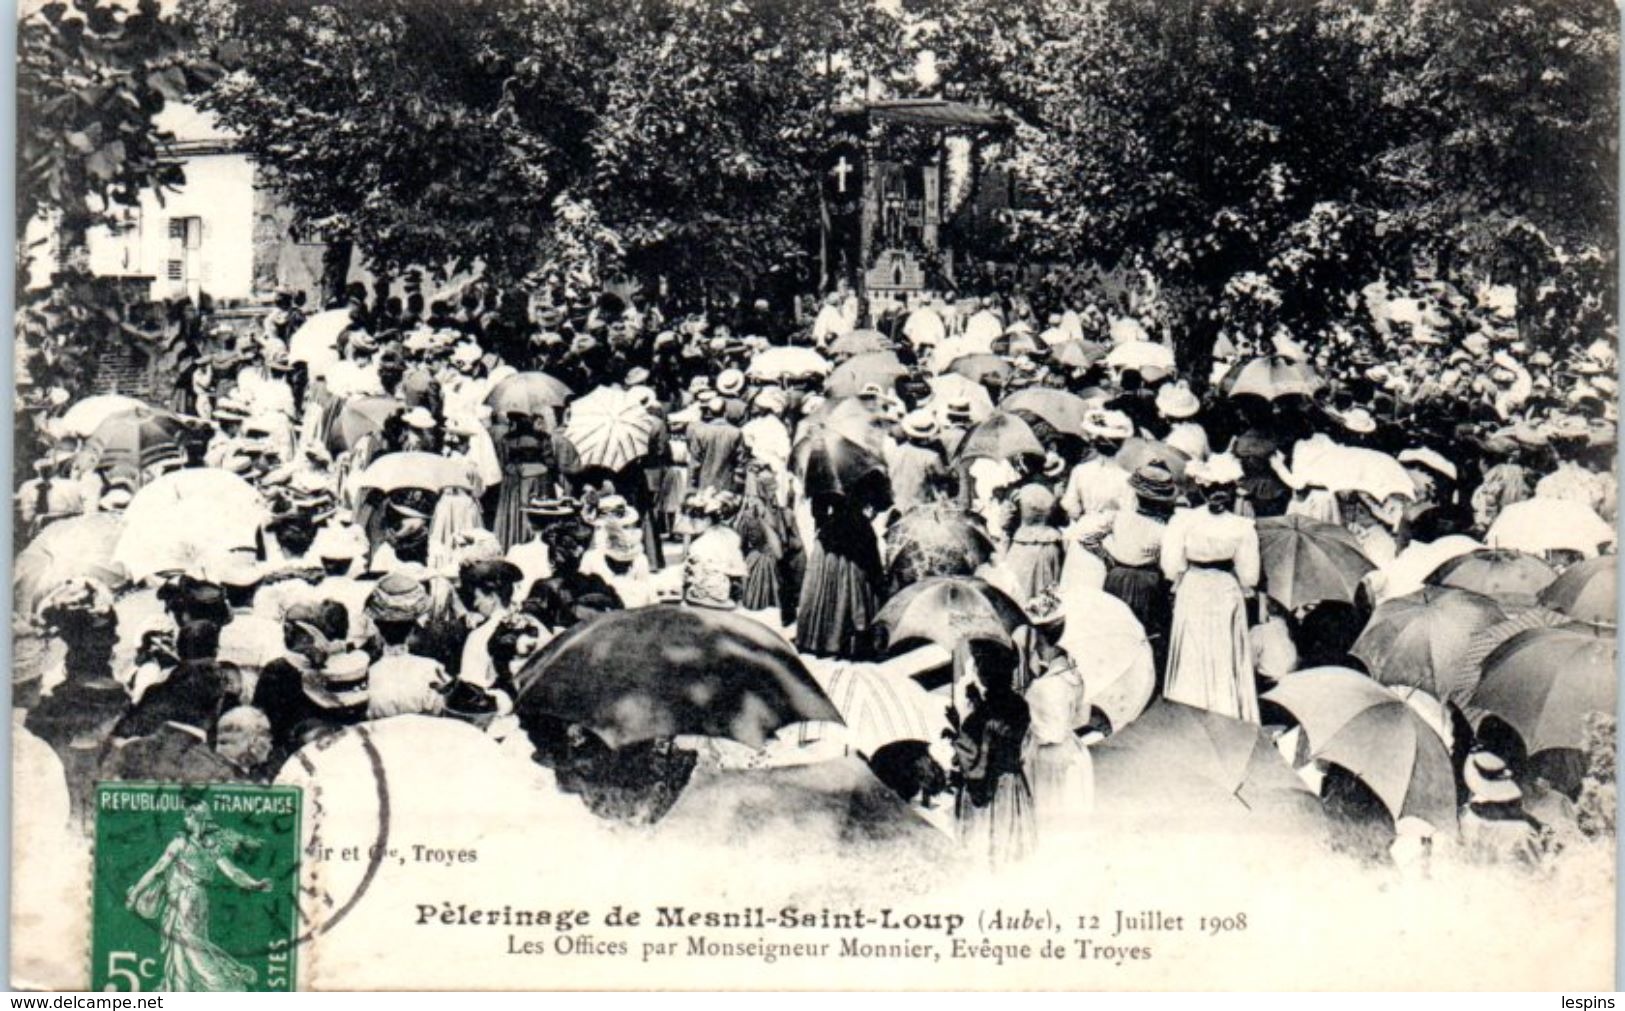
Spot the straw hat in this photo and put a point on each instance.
(1154, 482)
(920, 425)
(397, 597)
(1489, 780)
(1177, 401)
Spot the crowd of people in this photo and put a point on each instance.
(996, 531)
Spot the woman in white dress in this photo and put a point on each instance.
(1210, 554)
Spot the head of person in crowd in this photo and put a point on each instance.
(188, 598)
(242, 736)
(487, 587)
(396, 606)
(1216, 480)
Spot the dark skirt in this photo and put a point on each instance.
(1149, 596)
(519, 486)
(838, 602)
(761, 590)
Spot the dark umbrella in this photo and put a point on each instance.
(875, 368)
(1062, 410)
(137, 438)
(1352, 721)
(1306, 561)
(979, 368)
(1468, 669)
(1544, 682)
(1420, 638)
(1511, 577)
(1192, 765)
(1001, 437)
(532, 393)
(935, 540)
(360, 417)
(947, 609)
(1586, 591)
(829, 463)
(665, 670)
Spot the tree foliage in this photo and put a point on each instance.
(546, 137)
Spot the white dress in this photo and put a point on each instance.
(1211, 558)
(1059, 771)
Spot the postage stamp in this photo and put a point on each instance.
(196, 887)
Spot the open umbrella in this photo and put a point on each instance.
(1306, 561)
(879, 709)
(946, 389)
(71, 548)
(1468, 670)
(1177, 764)
(1271, 377)
(981, 368)
(1419, 639)
(536, 394)
(1586, 591)
(1137, 452)
(859, 342)
(1108, 644)
(1064, 411)
(137, 438)
(850, 417)
(395, 471)
(82, 418)
(666, 670)
(1138, 355)
(774, 364)
(1001, 437)
(828, 463)
(946, 609)
(934, 540)
(1352, 721)
(1544, 682)
(1077, 354)
(1351, 468)
(1539, 525)
(1405, 574)
(609, 428)
(875, 368)
(1511, 577)
(316, 341)
(187, 516)
(358, 418)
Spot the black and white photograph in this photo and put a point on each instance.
(815, 494)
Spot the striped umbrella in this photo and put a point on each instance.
(359, 417)
(609, 428)
(878, 709)
(1468, 669)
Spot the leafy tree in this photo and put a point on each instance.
(90, 80)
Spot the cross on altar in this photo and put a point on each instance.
(842, 169)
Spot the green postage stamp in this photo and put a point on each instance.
(196, 887)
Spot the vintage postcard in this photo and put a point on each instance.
(905, 494)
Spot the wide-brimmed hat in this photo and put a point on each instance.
(1113, 426)
(360, 340)
(920, 425)
(466, 353)
(1488, 779)
(708, 586)
(1044, 610)
(397, 597)
(730, 382)
(1216, 471)
(340, 542)
(1154, 482)
(419, 418)
(958, 411)
(638, 376)
(771, 400)
(552, 508)
(1357, 420)
(1177, 401)
(623, 543)
(344, 675)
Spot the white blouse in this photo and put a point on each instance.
(1198, 536)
